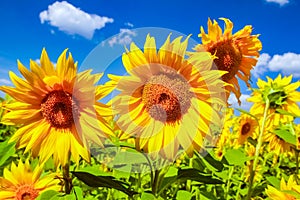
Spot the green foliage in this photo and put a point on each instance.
(47, 195)
(285, 134)
(183, 195)
(273, 181)
(236, 157)
(7, 150)
(103, 181)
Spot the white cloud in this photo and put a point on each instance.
(261, 66)
(288, 63)
(5, 81)
(123, 38)
(72, 20)
(245, 105)
(280, 2)
(128, 24)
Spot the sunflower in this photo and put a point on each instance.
(236, 54)
(224, 140)
(21, 182)
(247, 128)
(166, 101)
(58, 109)
(276, 144)
(281, 95)
(286, 191)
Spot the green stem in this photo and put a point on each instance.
(266, 157)
(109, 195)
(278, 170)
(189, 182)
(150, 166)
(158, 178)
(67, 179)
(240, 185)
(231, 170)
(258, 146)
(155, 183)
(139, 182)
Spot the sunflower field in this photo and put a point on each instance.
(167, 132)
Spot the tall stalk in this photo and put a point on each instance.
(66, 177)
(258, 146)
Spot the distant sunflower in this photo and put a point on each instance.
(276, 144)
(224, 140)
(22, 183)
(58, 109)
(258, 172)
(236, 54)
(281, 94)
(286, 191)
(247, 128)
(166, 102)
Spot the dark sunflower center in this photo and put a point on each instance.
(229, 58)
(26, 192)
(58, 107)
(246, 128)
(166, 97)
(220, 154)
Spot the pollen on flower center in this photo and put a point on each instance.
(166, 97)
(246, 128)
(58, 108)
(229, 58)
(26, 192)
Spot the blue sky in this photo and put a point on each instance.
(27, 26)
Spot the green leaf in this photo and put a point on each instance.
(183, 195)
(94, 169)
(286, 136)
(188, 174)
(207, 195)
(167, 181)
(103, 181)
(222, 174)
(47, 195)
(123, 171)
(218, 165)
(273, 181)
(63, 197)
(235, 157)
(172, 171)
(147, 196)
(129, 157)
(200, 165)
(284, 112)
(196, 175)
(78, 192)
(6, 151)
